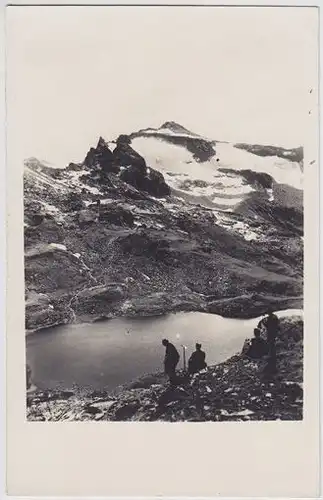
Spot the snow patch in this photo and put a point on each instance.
(176, 159)
(59, 246)
(241, 413)
(270, 194)
(183, 173)
(240, 227)
(111, 146)
(283, 171)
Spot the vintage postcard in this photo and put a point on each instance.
(162, 249)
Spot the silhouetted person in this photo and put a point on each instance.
(258, 346)
(271, 322)
(171, 360)
(197, 362)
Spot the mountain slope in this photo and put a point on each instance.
(147, 225)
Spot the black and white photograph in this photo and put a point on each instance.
(163, 213)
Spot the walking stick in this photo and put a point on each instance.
(184, 357)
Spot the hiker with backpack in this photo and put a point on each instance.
(257, 347)
(196, 362)
(170, 361)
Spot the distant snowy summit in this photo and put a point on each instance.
(216, 173)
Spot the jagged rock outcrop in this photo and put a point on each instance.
(148, 180)
(128, 157)
(101, 157)
(136, 172)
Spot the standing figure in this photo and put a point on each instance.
(257, 347)
(197, 362)
(271, 322)
(171, 360)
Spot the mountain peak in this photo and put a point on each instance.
(175, 127)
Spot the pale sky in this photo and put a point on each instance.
(237, 74)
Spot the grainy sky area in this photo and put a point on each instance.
(237, 74)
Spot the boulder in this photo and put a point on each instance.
(87, 217)
(46, 232)
(116, 214)
(43, 315)
(98, 301)
(35, 219)
(141, 243)
(126, 411)
(151, 180)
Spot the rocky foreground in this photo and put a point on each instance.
(239, 389)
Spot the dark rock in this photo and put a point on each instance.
(116, 214)
(125, 156)
(278, 215)
(28, 377)
(201, 149)
(127, 411)
(87, 217)
(146, 179)
(292, 391)
(101, 157)
(155, 184)
(293, 154)
(176, 127)
(73, 203)
(141, 243)
(35, 219)
(253, 178)
(92, 410)
(47, 232)
(123, 139)
(66, 394)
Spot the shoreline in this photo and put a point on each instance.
(262, 310)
